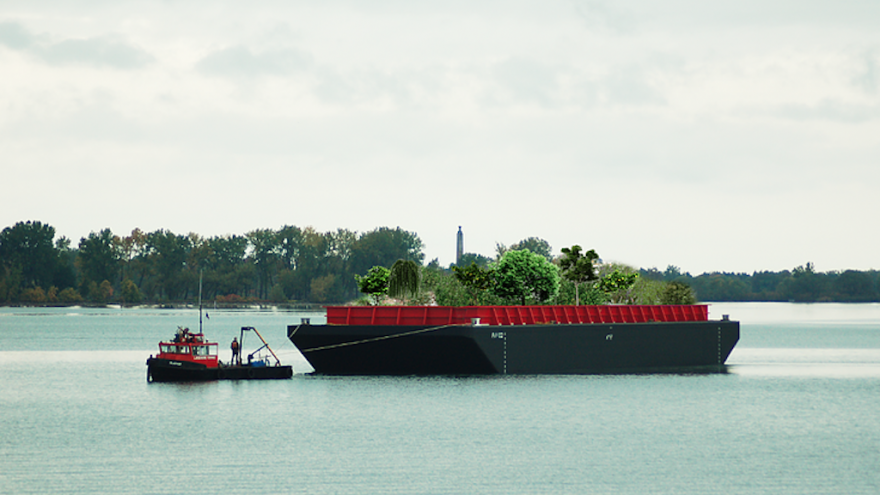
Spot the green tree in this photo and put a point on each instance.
(589, 294)
(374, 283)
(384, 246)
(617, 285)
(536, 245)
(476, 279)
(69, 295)
(478, 259)
(855, 286)
(578, 267)
(276, 294)
(321, 288)
(677, 293)
(404, 279)
(99, 256)
(265, 248)
(129, 292)
(444, 289)
(27, 249)
(167, 254)
(523, 275)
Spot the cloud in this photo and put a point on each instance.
(14, 36)
(830, 110)
(242, 61)
(869, 77)
(102, 51)
(601, 15)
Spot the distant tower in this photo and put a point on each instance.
(459, 246)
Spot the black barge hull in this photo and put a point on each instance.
(692, 346)
(166, 370)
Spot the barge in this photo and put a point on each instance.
(484, 340)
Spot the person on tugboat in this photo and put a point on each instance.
(236, 352)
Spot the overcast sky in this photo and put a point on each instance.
(733, 135)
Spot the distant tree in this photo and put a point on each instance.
(167, 255)
(677, 293)
(384, 246)
(27, 249)
(129, 292)
(276, 294)
(404, 279)
(852, 285)
(322, 288)
(265, 249)
(69, 295)
(99, 256)
(523, 275)
(578, 267)
(671, 273)
(535, 245)
(34, 295)
(804, 285)
(374, 283)
(478, 259)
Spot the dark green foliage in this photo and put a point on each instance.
(99, 257)
(28, 253)
(477, 281)
(535, 245)
(384, 246)
(587, 294)
(311, 266)
(404, 279)
(677, 293)
(130, 293)
(577, 267)
(468, 258)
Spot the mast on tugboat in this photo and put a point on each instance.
(200, 300)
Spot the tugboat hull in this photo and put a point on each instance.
(167, 370)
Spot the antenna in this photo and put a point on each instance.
(200, 301)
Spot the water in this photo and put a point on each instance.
(798, 413)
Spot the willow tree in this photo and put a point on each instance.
(577, 267)
(404, 279)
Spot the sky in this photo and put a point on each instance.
(734, 135)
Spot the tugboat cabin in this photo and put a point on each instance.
(190, 347)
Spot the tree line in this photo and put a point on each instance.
(801, 284)
(302, 265)
(287, 264)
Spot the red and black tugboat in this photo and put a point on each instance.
(189, 357)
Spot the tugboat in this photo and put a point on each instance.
(189, 357)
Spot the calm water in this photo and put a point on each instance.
(799, 412)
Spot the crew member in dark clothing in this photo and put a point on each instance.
(236, 351)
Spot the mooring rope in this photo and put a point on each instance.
(374, 339)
